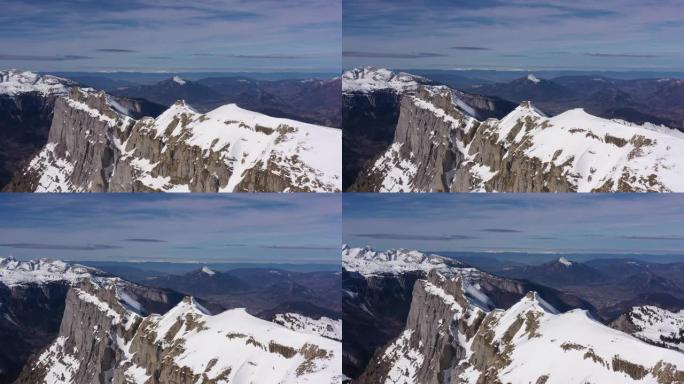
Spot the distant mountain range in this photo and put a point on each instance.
(263, 292)
(312, 101)
(72, 324)
(611, 286)
(657, 101)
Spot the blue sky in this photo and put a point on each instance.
(171, 35)
(514, 34)
(533, 223)
(259, 228)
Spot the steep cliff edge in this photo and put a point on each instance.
(441, 144)
(378, 295)
(108, 336)
(452, 336)
(95, 146)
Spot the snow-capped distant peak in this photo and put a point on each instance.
(369, 262)
(178, 80)
(564, 261)
(208, 271)
(14, 82)
(369, 79)
(533, 78)
(15, 272)
(326, 327)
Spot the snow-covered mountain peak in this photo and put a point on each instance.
(532, 301)
(231, 150)
(531, 77)
(245, 348)
(178, 80)
(368, 262)
(528, 108)
(208, 271)
(14, 82)
(498, 345)
(369, 79)
(39, 271)
(564, 261)
(189, 305)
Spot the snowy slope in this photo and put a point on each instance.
(658, 326)
(15, 272)
(575, 348)
(369, 79)
(597, 151)
(251, 139)
(573, 151)
(14, 82)
(368, 262)
(182, 150)
(251, 349)
(326, 327)
(530, 342)
(230, 347)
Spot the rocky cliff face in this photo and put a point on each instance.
(95, 146)
(379, 289)
(442, 143)
(26, 103)
(371, 109)
(108, 336)
(29, 320)
(453, 335)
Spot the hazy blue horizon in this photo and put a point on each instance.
(514, 34)
(583, 224)
(225, 228)
(173, 35)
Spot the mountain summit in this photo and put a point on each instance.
(95, 146)
(449, 337)
(14, 82)
(440, 146)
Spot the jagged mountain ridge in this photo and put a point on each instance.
(184, 345)
(115, 331)
(450, 338)
(440, 145)
(32, 303)
(94, 146)
(27, 104)
(14, 82)
(378, 290)
(371, 107)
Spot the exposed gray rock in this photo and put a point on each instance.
(93, 147)
(441, 144)
(450, 337)
(108, 337)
